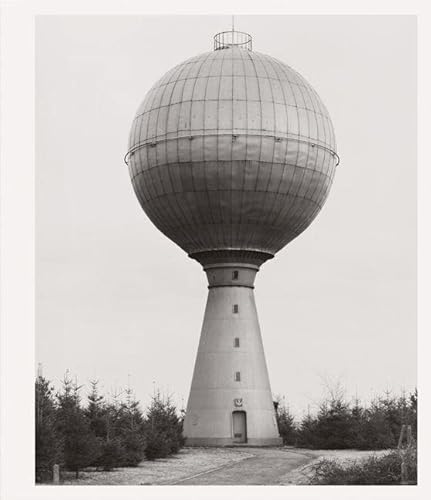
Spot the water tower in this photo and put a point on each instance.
(231, 155)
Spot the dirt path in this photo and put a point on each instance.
(265, 466)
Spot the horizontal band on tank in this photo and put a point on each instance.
(235, 100)
(217, 231)
(260, 163)
(287, 195)
(239, 73)
(231, 256)
(234, 265)
(231, 286)
(275, 235)
(282, 78)
(277, 138)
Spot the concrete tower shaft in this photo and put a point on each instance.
(230, 399)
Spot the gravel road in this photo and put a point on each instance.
(265, 466)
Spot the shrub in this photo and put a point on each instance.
(339, 424)
(373, 470)
(134, 448)
(332, 428)
(157, 445)
(112, 454)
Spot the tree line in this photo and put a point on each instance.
(102, 434)
(342, 424)
(107, 434)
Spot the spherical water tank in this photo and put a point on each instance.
(232, 150)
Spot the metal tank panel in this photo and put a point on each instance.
(232, 150)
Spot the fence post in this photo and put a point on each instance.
(56, 474)
(404, 475)
(405, 452)
(400, 440)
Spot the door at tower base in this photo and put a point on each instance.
(230, 399)
(239, 426)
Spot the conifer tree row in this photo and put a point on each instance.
(105, 434)
(100, 433)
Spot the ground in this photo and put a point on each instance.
(220, 466)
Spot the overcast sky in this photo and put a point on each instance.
(116, 298)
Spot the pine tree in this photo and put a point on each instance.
(412, 412)
(358, 438)
(307, 432)
(132, 430)
(286, 423)
(81, 447)
(163, 428)
(96, 411)
(333, 426)
(48, 442)
(112, 454)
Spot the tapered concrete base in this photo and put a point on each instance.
(230, 400)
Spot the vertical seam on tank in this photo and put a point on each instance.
(186, 214)
(171, 198)
(268, 218)
(241, 222)
(261, 118)
(144, 153)
(210, 233)
(282, 78)
(140, 191)
(323, 132)
(194, 190)
(157, 170)
(318, 206)
(330, 141)
(231, 154)
(168, 164)
(280, 197)
(152, 174)
(252, 231)
(298, 207)
(263, 60)
(283, 91)
(220, 228)
(179, 226)
(287, 148)
(147, 199)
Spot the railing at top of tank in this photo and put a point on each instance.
(227, 39)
